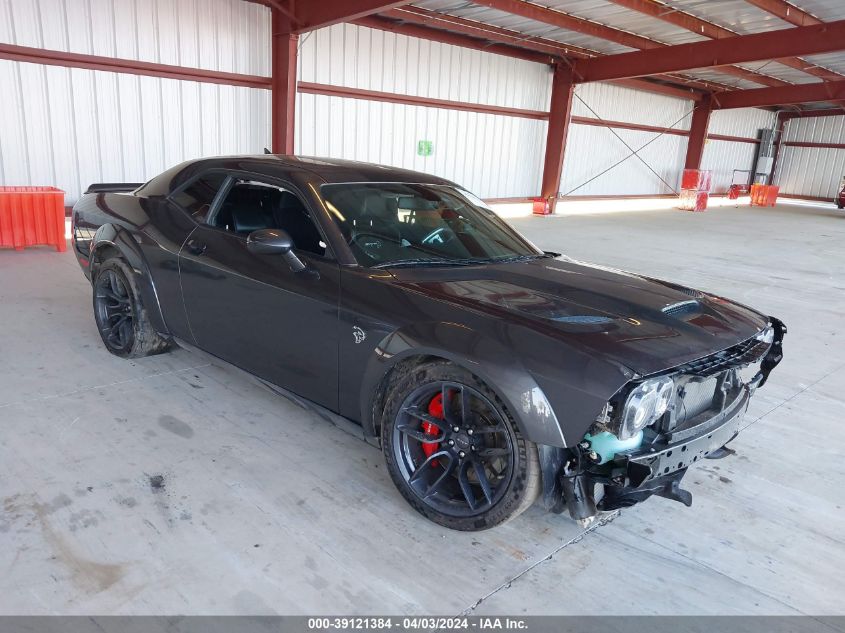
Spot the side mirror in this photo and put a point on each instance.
(274, 242)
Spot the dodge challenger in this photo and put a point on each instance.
(491, 373)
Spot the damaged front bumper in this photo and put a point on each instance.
(658, 471)
(572, 482)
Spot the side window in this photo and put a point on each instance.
(197, 197)
(250, 205)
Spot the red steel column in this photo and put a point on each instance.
(559, 115)
(283, 85)
(698, 133)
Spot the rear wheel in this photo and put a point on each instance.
(454, 452)
(120, 314)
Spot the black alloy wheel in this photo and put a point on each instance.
(462, 465)
(113, 311)
(455, 453)
(119, 312)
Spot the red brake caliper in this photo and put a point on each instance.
(435, 410)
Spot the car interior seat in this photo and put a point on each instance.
(379, 216)
(292, 216)
(248, 208)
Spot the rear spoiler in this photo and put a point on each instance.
(113, 187)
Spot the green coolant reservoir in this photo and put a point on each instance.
(606, 445)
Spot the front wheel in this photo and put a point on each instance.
(454, 451)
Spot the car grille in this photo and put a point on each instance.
(744, 353)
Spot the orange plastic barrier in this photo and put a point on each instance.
(32, 215)
(540, 206)
(764, 195)
(693, 200)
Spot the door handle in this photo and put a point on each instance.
(197, 248)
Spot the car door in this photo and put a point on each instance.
(253, 310)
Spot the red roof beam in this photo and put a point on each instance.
(307, 15)
(473, 28)
(803, 93)
(707, 29)
(786, 12)
(570, 22)
(805, 114)
(466, 41)
(457, 39)
(805, 40)
(424, 17)
(602, 31)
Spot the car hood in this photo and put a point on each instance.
(645, 324)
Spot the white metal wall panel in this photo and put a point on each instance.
(821, 129)
(745, 122)
(722, 157)
(369, 59)
(617, 103)
(591, 150)
(71, 127)
(494, 156)
(810, 171)
(224, 35)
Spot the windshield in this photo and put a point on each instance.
(394, 224)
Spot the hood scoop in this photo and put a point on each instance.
(682, 308)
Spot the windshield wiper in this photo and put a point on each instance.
(523, 258)
(466, 261)
(423, 261)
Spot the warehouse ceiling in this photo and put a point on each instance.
(573, 29)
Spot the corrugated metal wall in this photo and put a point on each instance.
(370, 59)
(723, 157)
(493, 155)
(744, 122)
(592, 161)
(225, 35)
(616, 103)
(812, 171)
(71, 127)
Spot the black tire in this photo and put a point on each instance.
(438, 482)
(119, 312)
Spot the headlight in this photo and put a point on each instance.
(766, 336)
(645, 405)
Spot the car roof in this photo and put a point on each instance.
(330, 170)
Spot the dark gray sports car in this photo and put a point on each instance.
(490, 372)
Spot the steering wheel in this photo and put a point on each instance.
(373, 235)
(439, 237)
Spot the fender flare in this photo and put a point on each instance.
(487, 358)
(111, 236)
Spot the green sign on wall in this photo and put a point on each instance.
(425, 148)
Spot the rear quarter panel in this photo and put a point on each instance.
(148, 232)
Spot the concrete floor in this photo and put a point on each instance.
(266, 508)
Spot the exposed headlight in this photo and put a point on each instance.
(645, 405)
(766, 336)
